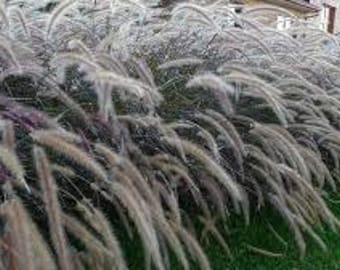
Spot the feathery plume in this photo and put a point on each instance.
(71, 151)
(9, 159)
(53, 209)
(56, 14)
(213, 168)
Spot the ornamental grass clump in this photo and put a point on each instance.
(122, 120)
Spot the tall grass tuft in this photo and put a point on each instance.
(121, 120)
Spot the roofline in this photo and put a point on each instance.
(299, 5)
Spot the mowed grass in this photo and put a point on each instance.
(260, 235)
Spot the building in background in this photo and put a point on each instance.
(325, 14)
(329, 16)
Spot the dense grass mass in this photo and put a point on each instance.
(163, 128)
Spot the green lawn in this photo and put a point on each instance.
(258, 234)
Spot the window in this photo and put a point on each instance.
(327, 18)
(283, 22)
